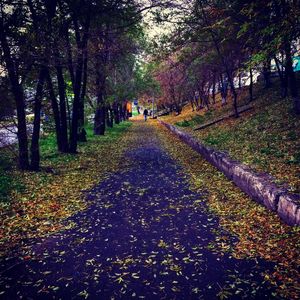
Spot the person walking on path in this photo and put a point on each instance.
(145, 114)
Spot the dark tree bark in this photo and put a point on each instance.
(99, 122)
(234, 94)
(196, 100)
(109, 117)
(111, 111)
(99, 125)
(70, 58)
(55, 109)
(251, 86)
(83, 91)
(76, 104)
(204, 95)
(64, 143)
(283, 79)
(292, 81)
(81, 46)
(21, 125)
(19, 98)
(201, 104)
(51, 8)
(224, 89)
(116, 113)
(214, 89)
(266, 74)
(240, 80)
(122, 112)
(35, 147)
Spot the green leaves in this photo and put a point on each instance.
(84, 294)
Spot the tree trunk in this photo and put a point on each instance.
(240, 80)
(201, 105)
(214, 89)
(234, 94)
(64, 143)
(116, 113)
(83, 91)
(251, 86)
(99, 122)
(109, 117)
(111, 111)
(75, 110)
(224, 90)
(122, 112)
(81, 47)
(22, 129)
(70, 59)
(99, 125)
(266, 74)
(55, 110)
(283, 79)
(290, 74)
(35, 147)
(19, 98)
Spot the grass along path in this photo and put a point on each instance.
(44, 199)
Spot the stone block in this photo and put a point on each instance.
(259, 187)
(289, 208)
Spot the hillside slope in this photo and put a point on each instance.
(267, 138)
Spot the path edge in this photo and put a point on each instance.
(259, 186)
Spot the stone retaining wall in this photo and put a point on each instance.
(259, 187)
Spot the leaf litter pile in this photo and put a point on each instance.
(259, 233)
(144, 234)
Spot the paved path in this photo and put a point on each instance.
(146, 235)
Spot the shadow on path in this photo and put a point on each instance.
(146, 235)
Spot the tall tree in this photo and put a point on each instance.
(10, 19)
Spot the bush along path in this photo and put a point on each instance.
(145, 234)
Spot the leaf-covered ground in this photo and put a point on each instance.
(46, 198)
(259, 232)
(145, 234)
